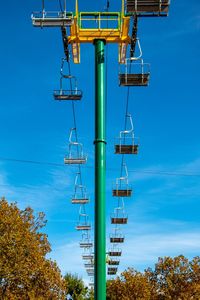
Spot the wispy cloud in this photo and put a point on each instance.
(190, 25)
(178, 179)
(40, 196)
(69, 258)
(143, 251)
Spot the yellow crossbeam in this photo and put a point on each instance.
(118, 35)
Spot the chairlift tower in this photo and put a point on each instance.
(99, 36)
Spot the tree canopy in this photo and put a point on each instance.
(25, 273)
(173, 279)
(75, 287)
(131, 285)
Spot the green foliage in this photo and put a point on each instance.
(25, 273)
(75, 287)
(90, 295)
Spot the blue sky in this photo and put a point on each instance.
(164, 211)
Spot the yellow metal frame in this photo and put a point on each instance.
(119, 35)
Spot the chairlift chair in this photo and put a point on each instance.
(116, 219)
(116, 238)
(75, 157)
(70, 94)
(122, 188)
(80, 196)
(52, 18)
(113, 269)
(126, 149)
(80, 200)
(85, 226)
(88, 256)
(83, 223)
(122, 192)
(151, 8)
(112, 272)
(86, 244)
(90, 270)
(115, 252)
(113, 262)
(89, 265)
(140, 74)
(127, 143)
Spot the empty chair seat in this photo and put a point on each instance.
(88, 257)
(115, 252)
(75, 153)
(126, 149)
(89, 270)
(67, 95)
(113, 269)
(112, 262)
(90, 273)
(122, 192)
(75, 160)
(89, 265)
(68, 86)
(148, 7)
(135, 72)
(86, 245)
(112, 272)
(119, 220)
(127, 143)
(116, 239)
(122, 187)
(51, 19)
(134, 79)
(80, 194)
(80, 201)
(83, 227)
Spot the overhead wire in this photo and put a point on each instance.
(149, 171)
(60, 4)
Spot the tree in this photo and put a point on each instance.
(25, 273)
(175, 278)
(131, 285)
(75, 287)
(195, 277)
(90, 294)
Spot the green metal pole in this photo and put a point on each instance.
(100, 170)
